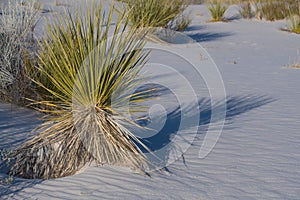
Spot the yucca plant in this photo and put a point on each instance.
(85, 78)
(17, 24)
(217, 10)
(154, 13)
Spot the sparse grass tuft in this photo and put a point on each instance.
(85, 79)
(156, 13)
(180, 23)
(276, 10)
(246, 10)
(293, 20)
(272, 10)
(217, 10)
(293, 23)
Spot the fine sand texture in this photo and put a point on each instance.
(258, 153)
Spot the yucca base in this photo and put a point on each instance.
(92, 137)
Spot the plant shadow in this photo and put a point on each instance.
(233, 17)
(16, 124)
(194, 28)
(188, 36)
(9, 190)
(178, 127)
(209, 36)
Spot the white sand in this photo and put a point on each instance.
(258, 153)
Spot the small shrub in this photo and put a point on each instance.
(180, 23)
(272, 10)
(293, 23)
(85, 79)
(246, 10)
(217, 10)
(276, 10)
(154, 13)
(293, 20)
(16, 33)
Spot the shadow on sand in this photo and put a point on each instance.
(9, 190)
(16, 123)
(209, 36)
(162, 143)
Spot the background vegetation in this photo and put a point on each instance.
(217, 9)
(151, 13)
(17, 24)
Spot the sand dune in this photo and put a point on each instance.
(257, 155)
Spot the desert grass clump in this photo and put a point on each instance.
(293, 20)
(156, 13)
(246, 9)
(272, 10)
(86, 78)
(276, 10)
(180, 23)
(17, 24)
(293, 23)
(217, 10)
